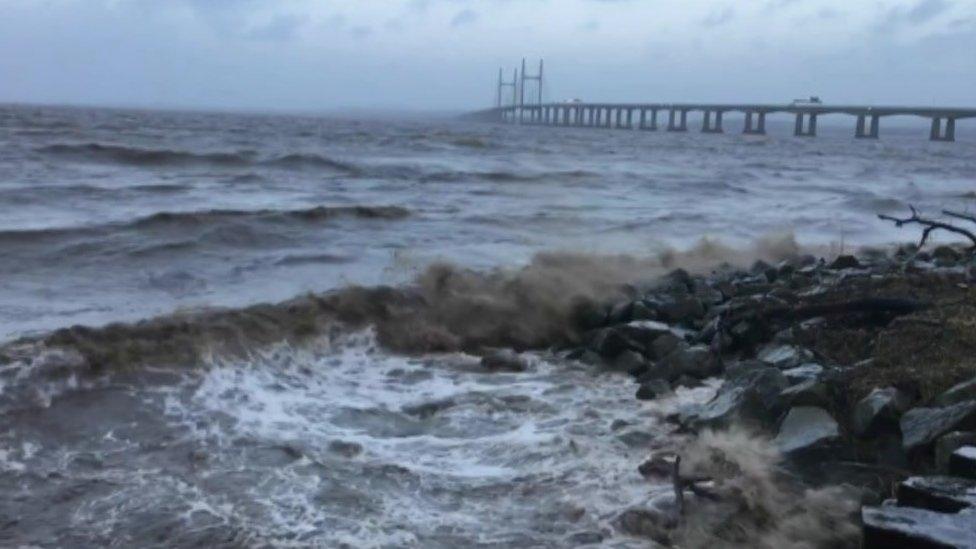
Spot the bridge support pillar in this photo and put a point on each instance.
(677, 121)
(708, 126)
(863, 131)
(652, 126)
(630, 118)
(755, 126)
(811, 126)
(950, 130)
(565, 116)
(608, 122)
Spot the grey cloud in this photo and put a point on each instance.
(590, 25)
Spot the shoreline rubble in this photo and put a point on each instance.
(837, 364)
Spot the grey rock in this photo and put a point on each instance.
(644, 332)
(630, 362)
(749, 397)
(845, 262)
(806, 393)
(949, 443)
(803, 372)
(784, 356)
(938, 493)
(585, 538)
(345, 449)
(695, 361)
(636, 439)
(889, 527)
(807, 428)
(687, 381)
(645, 523)
(957, 393)
(611, 342)
(504, 360)
(922, 426)
(881, 407)
(681, 309)
(962, 462)
(664, 345)
(652, 389)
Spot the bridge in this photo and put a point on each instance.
(646, 116)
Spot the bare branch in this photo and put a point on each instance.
(957, 215)
(931, 225)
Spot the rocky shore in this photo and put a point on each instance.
(860, 371)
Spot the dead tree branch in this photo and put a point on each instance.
(957, 215)
(931, 225)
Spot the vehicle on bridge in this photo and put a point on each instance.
(813, 100)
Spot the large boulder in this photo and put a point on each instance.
(807, 429)
(957, 393)
(922, 426)
(881, 408)
(644, 332)
(890, 527)
(750, 396)
(804, 372)
(611, 342)
(695, 361)
(938, 493)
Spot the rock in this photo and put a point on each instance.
(803, 372)
(664, 345)
(644, 332)
(630, 362)
(620, 313)
(611, 342)
(345, 449)
(806, 393)
(585, 538)
(591, 358)
(695, 361)
(687, 381)
(645, 523)
(748, 397)
(962, 462)
(845, 262)
(946, 254)
(957, 393)
(656, 467)
(652, 389)
(784, 357)
(949, 443)
(640, 311)
(882, 407)
(504, 360)
(922, 426)
(636, 439)
(806, 429)
(743, 367)
(889, 527)
(681, 310)
(938, 493)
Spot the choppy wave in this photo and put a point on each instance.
(209, 217)
(146, 157)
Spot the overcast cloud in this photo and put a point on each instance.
(445, 54)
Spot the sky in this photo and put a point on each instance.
(322, 55)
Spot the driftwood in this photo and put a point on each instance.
(933, 224)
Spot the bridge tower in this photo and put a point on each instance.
(535, 112)
(502, 84)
